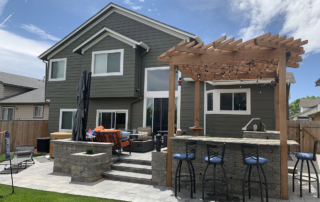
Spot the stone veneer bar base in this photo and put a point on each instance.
(63, 149)
(88, 167)
(233, 165)
(159, 168)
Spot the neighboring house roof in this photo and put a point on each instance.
(36, 94)
(129, 13)
(102, 33)
(318, 82)
(311, 111)
(307, 103)
(20, 81)
(290, 77)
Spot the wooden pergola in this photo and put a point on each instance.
(262, 57)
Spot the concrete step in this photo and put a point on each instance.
(128, 176)
(132, 161)
(129, 167)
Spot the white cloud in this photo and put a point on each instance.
(223, 34)
(3, 4)
(141, 0)
(127, 2)
(301, 19)
(136, 7)
(149, 9)
(18, 55)
(36, 30)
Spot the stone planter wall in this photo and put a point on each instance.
(88, 167)
(63, 149)
(159, 168)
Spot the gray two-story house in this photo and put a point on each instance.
(129, 87)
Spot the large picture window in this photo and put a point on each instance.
(7, 113)
(112, 119)
(228, 101)
(57, 70)
(107, 63)
(158, 80)
(67, 118)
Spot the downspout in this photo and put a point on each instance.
(139, 87)
(45, 76)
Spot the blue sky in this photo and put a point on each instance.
(29, 27)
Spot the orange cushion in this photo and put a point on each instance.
(99, 129)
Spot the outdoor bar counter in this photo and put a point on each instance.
(268, 148)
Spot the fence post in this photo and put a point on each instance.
(301, 137)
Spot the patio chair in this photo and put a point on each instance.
(150, 135)
(22, 154)
(113, 136)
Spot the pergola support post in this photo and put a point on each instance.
(196, 105)
(283, 126)
(276, 92)
(171, 116)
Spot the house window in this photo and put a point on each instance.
(107, 63)
(7, 113)
(158, 80)
(67, 118)
(57, 70)
(228, 101)
(38, 111)
(112, 119)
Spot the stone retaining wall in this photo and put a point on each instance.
(63, 149)
(88, 167)
(233, 165)
(159, 168)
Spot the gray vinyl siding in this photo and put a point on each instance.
(11, 90)
(187, 106)
(262, 106)
(112, 86)
(62, 94)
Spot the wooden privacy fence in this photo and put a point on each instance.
(22, 133)
(304, 132)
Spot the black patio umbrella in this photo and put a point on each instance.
(81, 117)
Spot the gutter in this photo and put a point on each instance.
(139, 87)
(45, 81)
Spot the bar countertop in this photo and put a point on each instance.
(272, 142)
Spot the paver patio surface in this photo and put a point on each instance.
(40, 176)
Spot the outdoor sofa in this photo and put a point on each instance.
(112, 136)
(22, 154)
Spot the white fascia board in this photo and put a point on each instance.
(138, 17)
(114, 34)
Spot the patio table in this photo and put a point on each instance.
(269, 149)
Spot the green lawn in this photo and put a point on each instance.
(30, 195)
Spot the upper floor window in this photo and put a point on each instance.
(57, 69)
(228, 101)
(158, 79)
(38, 111)
(7, 113)
(107, 63)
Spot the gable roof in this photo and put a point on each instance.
(129, 13)
(308, 102)
(36, 93)
(108, 32)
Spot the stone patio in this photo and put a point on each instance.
(40, 176)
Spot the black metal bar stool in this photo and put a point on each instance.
(215, 158)
(251, 158)
(306, 157)
(188, 156)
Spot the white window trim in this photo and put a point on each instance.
(216, 101)
(8, 108)
(34, 108)
(60, 119)
(159, 94)
(121, 51)
(112, 110)
(65, 69)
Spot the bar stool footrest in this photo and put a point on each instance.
(298, 178)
